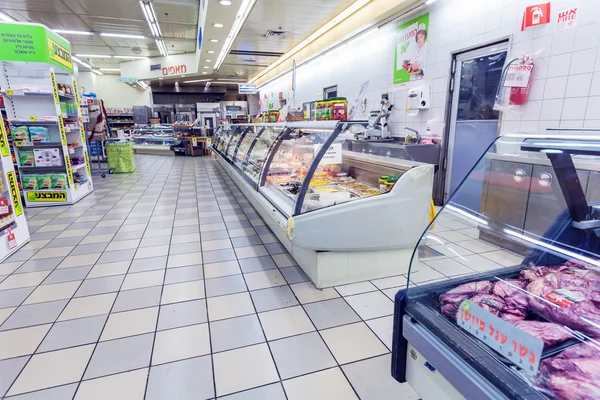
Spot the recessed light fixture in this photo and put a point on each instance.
(428, 2)
(197, 80)
(204, 73)
(217, 25)
(67, 32)
(211, 52)
(214, 40)
(97, 72)
(120, 35)
(93, 56)
(225, 2)
(160, 79)
(110, 69)
(208, 60)
(206, 67)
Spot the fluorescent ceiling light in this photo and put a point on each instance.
(67, 32)
(217, 25)
(161, 47)
(143, 84)
(197, 80)
(231, 80)
(94, 56)
(225, 2)
(227, 83)
(214, 40)
(428, 2)
(150, 15)
(240, 20)
(211, 52)
(6, 17)
(354, 7)
(130, 57)
(208, 84)
(121, 35)
(110, 69)
(208, 60)
(206, 67)
(77, 60)
(97, 72)
(204, 73)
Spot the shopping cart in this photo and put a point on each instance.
(96, 148)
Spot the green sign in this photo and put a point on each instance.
(34, 43)
(411, 50)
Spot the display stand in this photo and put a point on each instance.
(14, 232)
(46, 122)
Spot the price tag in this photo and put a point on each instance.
(518, 76)
(12, 240)
(10, 92)
(33, 119)
(516, 345)
(333, 154)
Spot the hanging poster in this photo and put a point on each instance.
(411, 50)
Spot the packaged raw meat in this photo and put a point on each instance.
(566, 299)
(514, 295)
(489, 302)
(588, 349)
(565, 388)
(548, 332)
(451, 300)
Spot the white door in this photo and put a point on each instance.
(473, 122)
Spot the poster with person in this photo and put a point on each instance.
(411, 50)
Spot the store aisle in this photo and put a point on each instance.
(166, 284)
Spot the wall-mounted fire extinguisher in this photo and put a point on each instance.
(517, 77)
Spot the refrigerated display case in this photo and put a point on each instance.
(327, 205)
(516, 319)
(153, 139)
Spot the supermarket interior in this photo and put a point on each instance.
(299, 200)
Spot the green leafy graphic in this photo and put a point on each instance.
(405, 47)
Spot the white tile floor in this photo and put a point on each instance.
(166, 284)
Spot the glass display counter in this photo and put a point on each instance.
(494, 310)
(319, 197)
(153, 139)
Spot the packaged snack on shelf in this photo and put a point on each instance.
(19, 133)
(26, 158)
(47, 157)
(44, 181)
(59, 181)
(39, 134)
(4, 207)
(30, 182)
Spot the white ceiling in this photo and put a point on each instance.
(178, 21)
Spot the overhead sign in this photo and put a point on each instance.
(174, 70)
(513, 343)
(536, 15)
(246, 88)
(567, 19)
(34, 43)
(233, 108)
(126, 79)
(155, 67)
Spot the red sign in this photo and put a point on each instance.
(174, 70)
(567, 18)
(280, 95)
(536, 15)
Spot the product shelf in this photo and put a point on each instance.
(28, 170)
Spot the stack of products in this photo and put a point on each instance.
(120, 156)
(335, 109)
(30, 133)
(63, 89)
(68, 109)
(45, 182)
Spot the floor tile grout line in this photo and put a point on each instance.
(104, 327)
(158, 313)
(52, 326)
(208, 322)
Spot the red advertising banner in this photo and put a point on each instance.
(536, 15)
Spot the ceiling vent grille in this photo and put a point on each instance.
(272, 33)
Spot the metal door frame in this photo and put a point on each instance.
(452, 107)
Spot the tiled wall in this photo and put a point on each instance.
(566, 87)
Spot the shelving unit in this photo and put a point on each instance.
(46, 126)
(120, 121)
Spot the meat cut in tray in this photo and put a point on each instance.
(559, 305)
